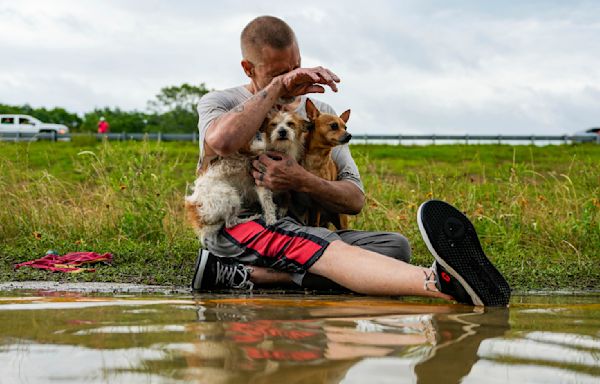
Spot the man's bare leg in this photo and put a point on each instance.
(361, 271)
(355, 268)
(262, 275)
(370, 273)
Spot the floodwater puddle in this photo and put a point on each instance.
(74, 337)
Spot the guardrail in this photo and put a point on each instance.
(480, 139)
(364, 139)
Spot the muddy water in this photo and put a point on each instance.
(75, 338)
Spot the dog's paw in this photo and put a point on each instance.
(270, 218)
(282, 212)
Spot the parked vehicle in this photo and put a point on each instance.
(587, 135)
(29, 126)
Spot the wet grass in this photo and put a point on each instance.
(537, 209)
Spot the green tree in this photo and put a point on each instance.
(174, 108)
(172, 111)
(119, 120)
(184, 97)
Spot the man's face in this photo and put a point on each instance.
(274, 62)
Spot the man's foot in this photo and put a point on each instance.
(214, 273)
(461, 267)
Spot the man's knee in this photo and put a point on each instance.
(389, 244)
(399, 247)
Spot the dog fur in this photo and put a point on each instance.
(227, 186)
(324, 133)
(285, 133)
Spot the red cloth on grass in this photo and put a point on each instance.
(68, 262)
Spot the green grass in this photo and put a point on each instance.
(537, 209)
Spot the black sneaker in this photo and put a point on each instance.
(450, 286)
(214, 273)
(462, 268)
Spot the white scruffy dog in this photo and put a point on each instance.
(227, 187)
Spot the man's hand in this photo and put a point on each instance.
(277, 171)
(301, 81)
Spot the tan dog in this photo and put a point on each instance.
(325, 132)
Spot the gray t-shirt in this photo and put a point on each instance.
(216, 103)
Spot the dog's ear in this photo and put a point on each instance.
(308, 126)
(311, 111)
(265, 123)
(263, 127)
(271, 114)
(345, 116)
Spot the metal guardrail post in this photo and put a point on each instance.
(467, 139)
(194, 138)
(123, 137)
(54, 136)
(159, 137)
(399, 139)
(18, 136)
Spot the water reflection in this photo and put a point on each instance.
(422, 343)
(295, 339)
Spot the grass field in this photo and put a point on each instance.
(537, 209)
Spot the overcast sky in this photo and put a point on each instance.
(406, 66)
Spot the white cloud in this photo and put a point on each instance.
(431, 67)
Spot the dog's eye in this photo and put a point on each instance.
(291, 124)
(334, 126)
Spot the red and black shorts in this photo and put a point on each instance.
(286, 246)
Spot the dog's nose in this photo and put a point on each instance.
(345, 138)
(282, 133)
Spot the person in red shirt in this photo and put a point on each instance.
(103, 125)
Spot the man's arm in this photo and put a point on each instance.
(282, 172)
(232, 130)
(341, 196)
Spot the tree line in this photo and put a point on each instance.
(173, 110)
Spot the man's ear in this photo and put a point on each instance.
(311, 111)
(248, 68)
(345, 116)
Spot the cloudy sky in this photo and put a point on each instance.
(406, 66)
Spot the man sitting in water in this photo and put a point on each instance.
(373, 263)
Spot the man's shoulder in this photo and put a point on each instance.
(229, 97)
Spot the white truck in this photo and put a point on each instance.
(26, 126)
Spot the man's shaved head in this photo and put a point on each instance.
(265, 31)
